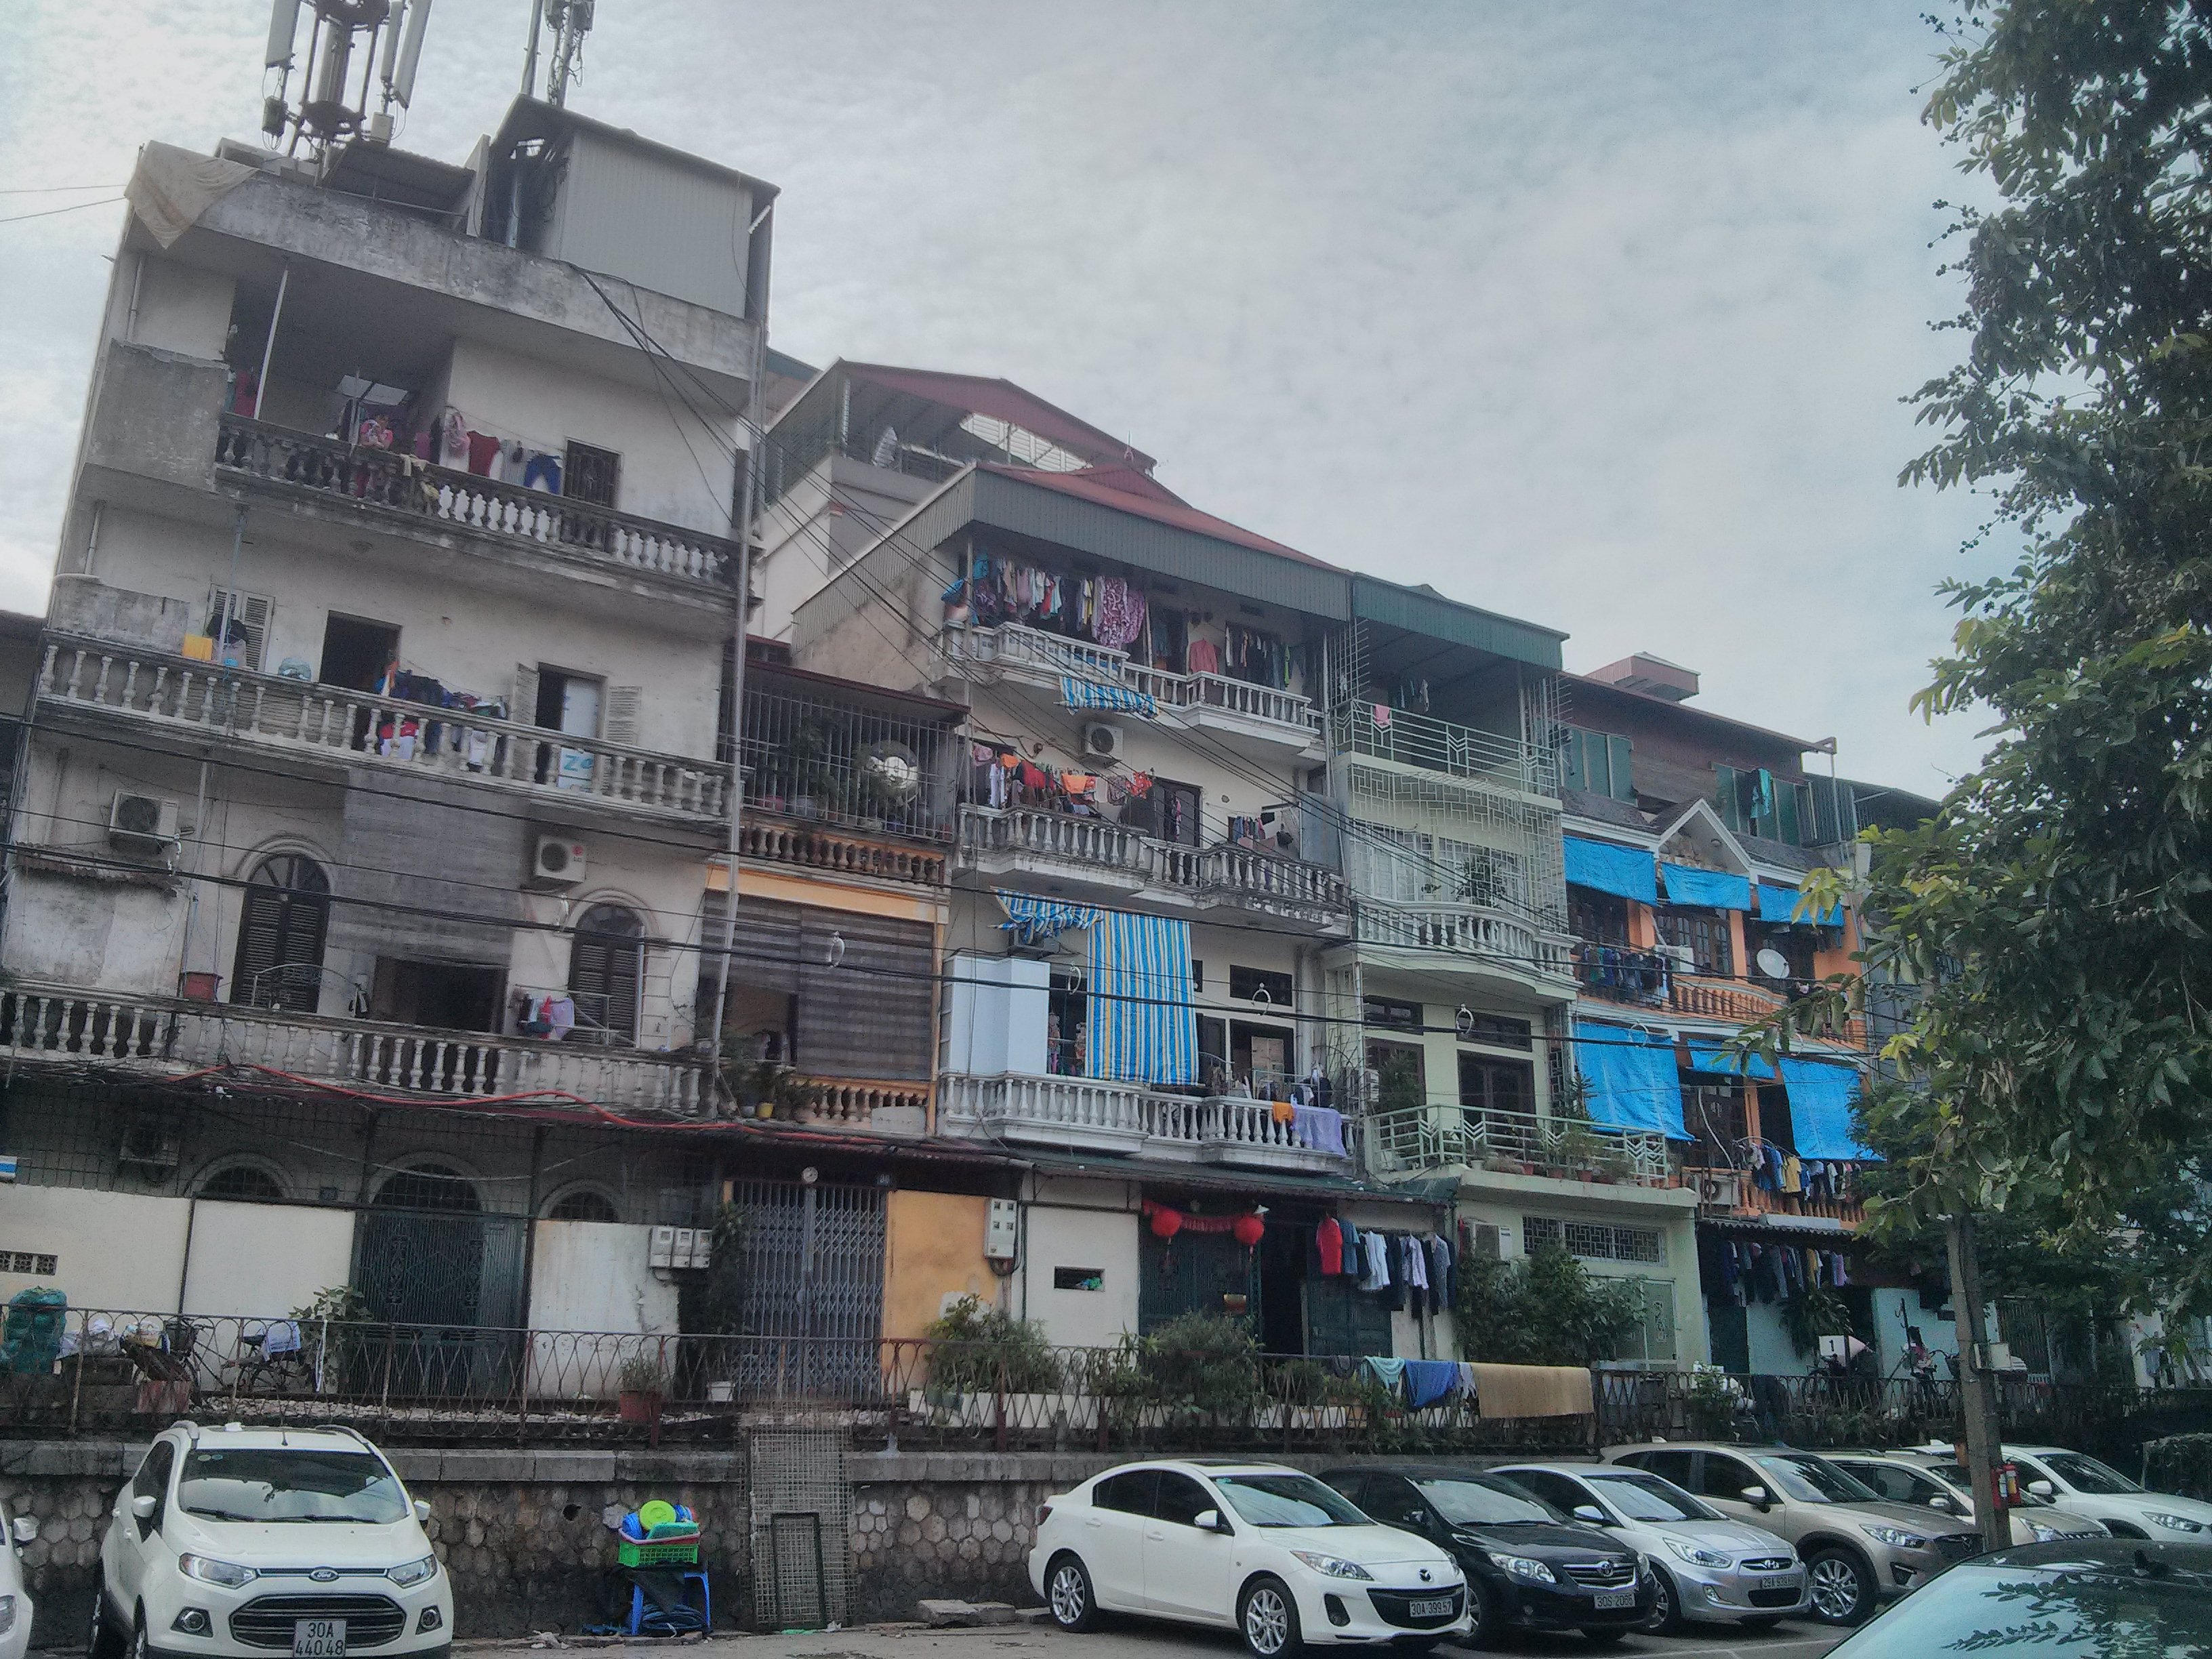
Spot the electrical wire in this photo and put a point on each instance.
(48, 213)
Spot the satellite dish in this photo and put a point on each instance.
(1773, 964)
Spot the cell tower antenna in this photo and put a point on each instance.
(571, 20)
(333, 102)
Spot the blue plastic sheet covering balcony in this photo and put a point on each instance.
(1624, 872)
(1030, 920)
(1710, 1057)
(1780, 904)
(1631, 1080)
(1820, 1096)
(1107, 699)
(1142, 1027)
(1708, 889)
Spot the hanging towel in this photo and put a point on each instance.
(1390, 1373)
(1533, 1391)
(1428, 1381)
(1328, 1239)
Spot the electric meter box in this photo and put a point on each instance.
(1001, 1227)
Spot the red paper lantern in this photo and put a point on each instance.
(1166, 1223)
(1249, 1230)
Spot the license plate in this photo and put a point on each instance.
(1435, 1609)
(1612, 1601)
(1778, 1584)
(318, 1638)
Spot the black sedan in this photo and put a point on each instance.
(1528, 1567)
(2080, 1598)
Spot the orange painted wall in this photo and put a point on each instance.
(932, 1248)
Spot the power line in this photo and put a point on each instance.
(48, 213)
(54, 190)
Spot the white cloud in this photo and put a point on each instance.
(1598, 314)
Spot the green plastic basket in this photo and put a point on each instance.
(652, 1555)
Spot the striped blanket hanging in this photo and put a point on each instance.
(1107, 699)
(1033, 918)
(1141, 1025)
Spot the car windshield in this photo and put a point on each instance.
(1485, 1503)
(1647, 1498)
(1286, 1500)
(2076, 1614)
(2087, 1474)
(274, 1483)
(1806, 1480)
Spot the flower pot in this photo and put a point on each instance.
(201, 987)
(634, 1406)
(720, 1394)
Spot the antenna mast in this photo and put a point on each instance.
(331, 107)
(571, 20)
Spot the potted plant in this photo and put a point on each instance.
(641, 1385)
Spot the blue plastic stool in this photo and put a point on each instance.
(690, 1576)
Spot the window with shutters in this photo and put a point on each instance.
(280, 933)
(238, 624)
(622, 714)
(606, 966)
(1706, 933)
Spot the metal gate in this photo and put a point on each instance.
(813, 1282)
(450, 1284)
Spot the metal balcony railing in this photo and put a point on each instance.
(1507, 941)
(1447, 1137)
(1435, 745)
(439, 497)
(1133, 1117)
(182, 693)
(1065, 844)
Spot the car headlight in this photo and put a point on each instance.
(2043, 1534)
(412, 1572)
(1521, 1566)
(1697, 1557)
(208, 1571)
(2173, 1522)
(1896, 1537)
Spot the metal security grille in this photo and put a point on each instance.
(1410, 821)
(1593, 1242)
(814, 1276)
(801, 1516)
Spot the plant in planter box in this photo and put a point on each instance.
(641, 1384)
(978, 1350)
(1578, 1150)
(1206, 1365)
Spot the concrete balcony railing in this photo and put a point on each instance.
(158, 1036)
(441, 498)
(1219, 702)
(1508, 942)
(833, 852)
(1064, 848)
(1085, 1114)
(1438, 1138)
(199, 699)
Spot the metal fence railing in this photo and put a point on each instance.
(82, 1371)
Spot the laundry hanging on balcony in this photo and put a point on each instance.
(1710, 890)
(1624, 872)
(1631, 1080)
(1030, 920)
(1142, 1027)
(1820, 1096)
(1108, 699)
(1780, 904)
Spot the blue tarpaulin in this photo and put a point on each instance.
(1633, 1081)
(1709, 1057)
(1626, 871)
(1820, 1097)
(1780, 904)
(1142, 1028)
(1033, 918)
(1710, 890)
(1107, 699)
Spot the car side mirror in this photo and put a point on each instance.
(1942, 1501)
(1210, 1521)
(2043, 1489)
(422, 1513)
(142, 1507)
(1591, 1513)
(25, 1530)
(1754, 1496)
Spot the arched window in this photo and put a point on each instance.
(280, 935)
(245, 1182)
(585, 1204)
(604, 970)
(429, 1187)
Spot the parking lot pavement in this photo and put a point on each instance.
(1131, 1639)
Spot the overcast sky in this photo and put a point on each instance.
(1595, 314)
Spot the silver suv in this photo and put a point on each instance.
(1859, 1550)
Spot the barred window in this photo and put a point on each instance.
(1593, 1242)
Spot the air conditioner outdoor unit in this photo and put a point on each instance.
(558, 862)
(1684, 957)
(145, 823)
(1101, 741)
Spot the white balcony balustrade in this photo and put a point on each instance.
(1084, 1114)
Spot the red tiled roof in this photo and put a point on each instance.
(1089, 486)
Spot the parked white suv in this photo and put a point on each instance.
(2081, 1484)
(243, 1542)
(1254, 1548)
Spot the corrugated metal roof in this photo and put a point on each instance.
(1002, 400)
(1392, 606)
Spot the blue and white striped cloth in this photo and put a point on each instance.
(1142, 1025)
(1111, 699)
(1033, 918)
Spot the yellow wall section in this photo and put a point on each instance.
(932, 1248)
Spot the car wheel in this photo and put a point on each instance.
(1269, 1617)
(1843, 1587)
(1067, 1593)
(1666, 1606)
(139, 1642)
(99, 1642)
(1481, 1615)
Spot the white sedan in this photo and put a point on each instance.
(15, 1601)
(1265, 1550)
